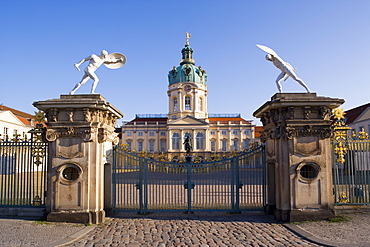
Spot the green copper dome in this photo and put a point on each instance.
(187, 71)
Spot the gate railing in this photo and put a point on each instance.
(351, 168)
(23, 170)
(232, 184)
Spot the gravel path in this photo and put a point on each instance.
(354, 231)
(29, 232)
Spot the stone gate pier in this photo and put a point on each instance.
(297, 131)
(80, 131)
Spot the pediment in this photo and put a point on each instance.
(364, 116)
(10, 118)
(188, 120)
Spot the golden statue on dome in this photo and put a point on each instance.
(188, 35)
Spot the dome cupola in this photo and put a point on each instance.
(187, 71)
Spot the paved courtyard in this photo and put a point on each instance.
(199, 229)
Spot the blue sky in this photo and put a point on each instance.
(327, 41)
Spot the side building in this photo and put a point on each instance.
(15, 124)
(358, 118)
(187, 116)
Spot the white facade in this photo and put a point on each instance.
(12, 126)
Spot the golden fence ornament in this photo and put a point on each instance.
(340, 134)
(38, 150)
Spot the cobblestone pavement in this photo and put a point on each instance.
(198, 229)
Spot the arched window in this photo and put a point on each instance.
(151, 145)
(163, 145)
(200, 141)
(236, 144)
(187, 103)
(140, 145)
(175, 108)
(176, 141)
(224, 145)
(129, 146)
(187, 134)
(213, 145)
(246, 144)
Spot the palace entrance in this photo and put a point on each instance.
(230, 184)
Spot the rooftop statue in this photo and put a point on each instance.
(188, 36)
(187, 145)
(111, 61)
(287, 70)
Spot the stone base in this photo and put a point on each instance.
(303, 215)
(269, 209)
(77, 217)
(23, 211)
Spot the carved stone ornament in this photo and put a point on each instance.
(270, 150)
(87, 114)
(324, 112)
(307, 147)
(289, 132)
(51, 135)
(308, 130)
(306, 112)
(87, 135)
(70, 131)
(106, 135)
(70, 114)
(52, 115)
(69, 152)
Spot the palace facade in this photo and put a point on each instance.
(187, 116)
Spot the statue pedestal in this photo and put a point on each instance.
(80, 131)
(297, 131)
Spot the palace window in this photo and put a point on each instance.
(128, 133)
(163, 133)
(6, 132)
(213, 133)
(246, 132)
(140, 133)
(129, 146)
(139, 145)
(236, 144)
(200, 141)
(213, 146)
(15, 133)
(223, 132)
(163, 145)
(175, 108)
(187, 103)
(246, 143)
(235, 132)
(151, 133)
(187, 134)
(224, 145)
(176, 141)
(151, 145)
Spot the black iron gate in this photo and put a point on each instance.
(232, 184)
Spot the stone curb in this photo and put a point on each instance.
(71, 238)
(308, 236)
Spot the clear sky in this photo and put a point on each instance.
(327, 41)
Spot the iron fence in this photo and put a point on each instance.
(23, 170)
(352, 177)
